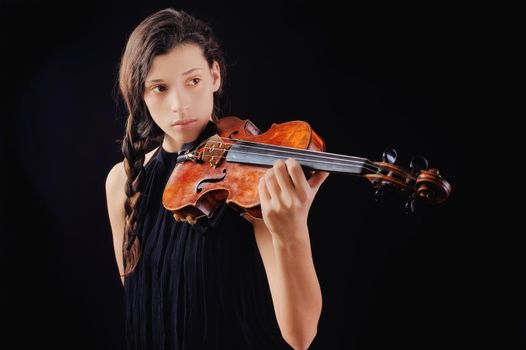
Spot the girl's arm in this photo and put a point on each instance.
(284, 244)
(115, 197)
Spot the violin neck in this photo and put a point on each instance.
(265, 154)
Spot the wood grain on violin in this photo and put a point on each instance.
(228, 166)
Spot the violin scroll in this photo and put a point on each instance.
(418, 182)
(431, 186)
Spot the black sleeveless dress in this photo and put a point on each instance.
(196, 287)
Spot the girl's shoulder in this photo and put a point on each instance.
(117, 175)
(149, 155)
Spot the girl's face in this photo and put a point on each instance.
(178, 92)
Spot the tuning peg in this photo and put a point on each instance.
(389, 156)
(418, 163)
(379, 193)
(410, 206)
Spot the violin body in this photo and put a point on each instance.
(227, 168)
(195, 189)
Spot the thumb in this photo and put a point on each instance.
(317, 179)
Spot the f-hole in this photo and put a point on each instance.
(198, 188)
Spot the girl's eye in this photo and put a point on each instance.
(159, 88)
(195, 81)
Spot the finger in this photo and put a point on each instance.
(297, 175)
(282, 176)
(272, 184)
(317, 179)
(264, 195)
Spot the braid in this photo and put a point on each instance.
(133, 149)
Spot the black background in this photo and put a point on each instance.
(364, 78)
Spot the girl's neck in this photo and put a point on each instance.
(171, 146)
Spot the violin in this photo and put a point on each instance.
(227, 166)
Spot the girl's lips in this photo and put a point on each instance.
(183, 123)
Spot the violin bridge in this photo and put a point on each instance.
(214, 151)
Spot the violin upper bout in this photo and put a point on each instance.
(236, 128)
(317, 142)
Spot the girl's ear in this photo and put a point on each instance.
(216, 76)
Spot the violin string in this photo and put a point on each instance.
(292, 149)
(295, 151)
(299, 158)
(366, 163)
(298, 153)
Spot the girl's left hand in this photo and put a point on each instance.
(286, 196)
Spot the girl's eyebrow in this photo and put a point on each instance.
(185, 73)
(192, 70)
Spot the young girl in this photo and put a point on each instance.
(224, 282)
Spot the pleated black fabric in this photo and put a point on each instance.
(196, 287)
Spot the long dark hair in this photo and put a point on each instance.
(155, 35)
